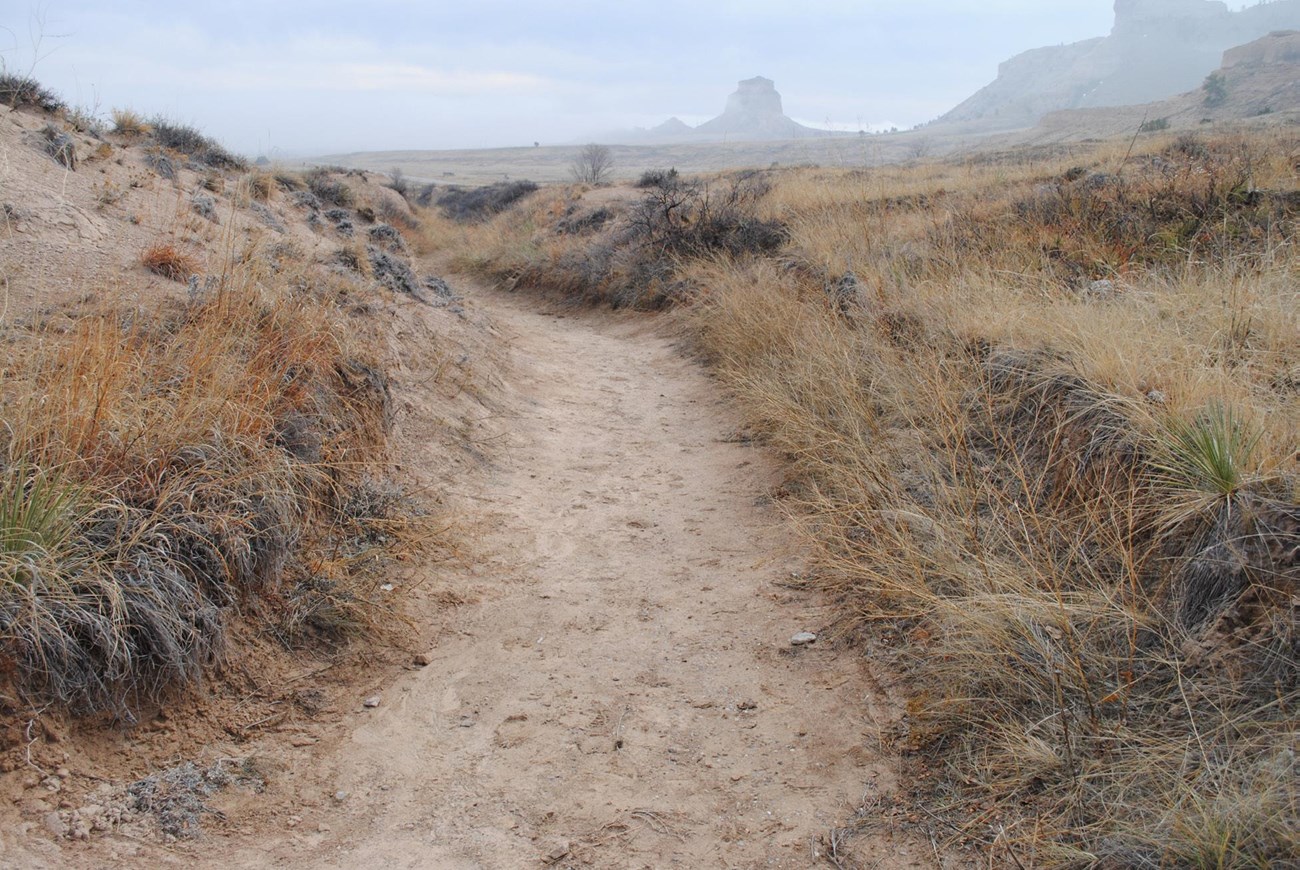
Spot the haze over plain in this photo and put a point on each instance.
(295, 77)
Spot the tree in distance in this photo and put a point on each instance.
(593, 164)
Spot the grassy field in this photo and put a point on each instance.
(1040, 411)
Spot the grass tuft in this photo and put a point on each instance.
(129, 123)
(169, 261)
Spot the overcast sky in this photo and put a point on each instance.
(298, 77)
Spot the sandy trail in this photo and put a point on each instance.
(625, 694)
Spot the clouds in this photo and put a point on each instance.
(325, 76)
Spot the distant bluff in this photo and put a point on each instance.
(754, 112)
(1156, 49)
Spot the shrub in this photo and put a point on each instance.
(157, 160)
(1154, 125)
(193, 144)
(1216, 89)
(18, 91)
(657, 178)
(688, 218)
(205, 206)
(84, 121)
(60, 146)
(169, 261)
(593, 164)
(398, 182)
(329, 189)
(392, 271)
(471, 205)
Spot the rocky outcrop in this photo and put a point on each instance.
(1156, 49)
(754, 111)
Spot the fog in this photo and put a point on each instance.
(298, 78)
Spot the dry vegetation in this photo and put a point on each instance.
(175, 462)
(1040, 411)
(161, 469)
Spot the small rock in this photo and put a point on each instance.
(387, 587)
(301, 741)
(803, 638)
(422, 660)
(556, 854)
(1157, 397)
(293, 821)
(340, 796)
(372, 701)
(63, 773)
(323, 828)
(54, 824)
(745, 706)
(467, 721)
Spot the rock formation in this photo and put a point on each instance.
(753, 113)
(1156, 49)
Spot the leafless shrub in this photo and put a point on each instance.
(17, 91)
(593, 164)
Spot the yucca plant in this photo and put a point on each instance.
(39, 513)
(1209, 456)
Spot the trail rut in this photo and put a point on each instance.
(624, 693)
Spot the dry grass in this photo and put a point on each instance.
(129, 123)
(161, 469)
(170, 261)
(1040, 414)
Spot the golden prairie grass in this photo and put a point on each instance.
(1040, 413)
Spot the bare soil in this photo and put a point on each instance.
(625, 693)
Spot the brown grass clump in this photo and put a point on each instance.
(261, 186)
(1040, 411)
(129, 123)
(169, 261)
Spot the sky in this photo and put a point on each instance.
(290, 77)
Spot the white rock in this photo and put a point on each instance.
(803, 638)
(372, 701)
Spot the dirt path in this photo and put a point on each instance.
(625, 693)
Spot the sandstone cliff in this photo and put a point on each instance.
(1156, 49)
